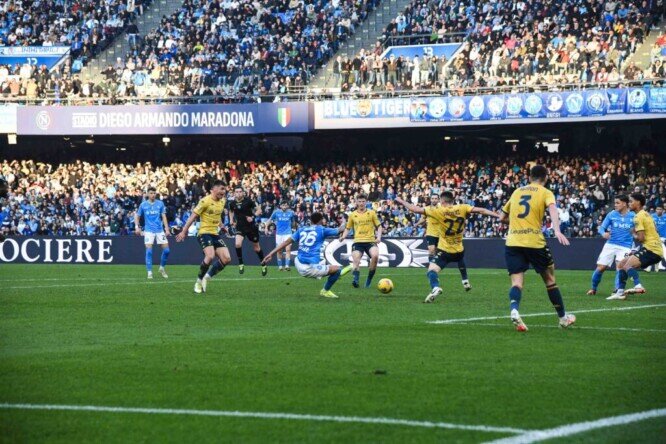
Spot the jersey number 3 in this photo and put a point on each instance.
(525, 202)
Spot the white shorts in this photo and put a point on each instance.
(612, 253)
(317, 271)
(279, 238)
(152, 238)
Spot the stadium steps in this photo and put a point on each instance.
(120, 47)
(365, 37)
(641, 57)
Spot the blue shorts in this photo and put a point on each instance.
(443, 258)
(363, 247)
(519, 259)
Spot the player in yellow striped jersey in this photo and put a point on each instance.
(645, 234)
(367, 236)
(450, 247)
(433, 232)
(209, 211)
(526, 245)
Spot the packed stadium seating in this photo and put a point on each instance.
(245, 47)
(87, 26)
(250, 49)
(93, 198)
(514, 43)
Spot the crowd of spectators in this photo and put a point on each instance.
(87, 26)
(206, 48)
(246, 48)
(83, 198)
(511, 42)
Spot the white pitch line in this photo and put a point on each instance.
(549, 313)
(580, 427)
(266, 415)
(575, 327)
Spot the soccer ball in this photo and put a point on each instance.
(385, 286)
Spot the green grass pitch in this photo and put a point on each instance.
(105, 336)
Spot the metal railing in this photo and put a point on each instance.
(309, 94)
(423, 39)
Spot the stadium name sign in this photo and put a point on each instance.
(164, 119)
(54, 250)
(571, 106)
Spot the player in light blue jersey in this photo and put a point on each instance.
(284, 219)
(659, 217)
(155, 229)
(308, 262)
(616, 229)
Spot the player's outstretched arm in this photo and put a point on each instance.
(555, 218)
(410, 207)
(183, 233)
(280, 247)
(485, 212)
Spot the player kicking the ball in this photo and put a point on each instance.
(156, 229)
(451, 219)
(525, 243)
(310, 240)
(209, 211)
(651, 251)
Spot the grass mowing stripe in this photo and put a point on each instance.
(550, 313)
(581, 427)
(144, 281)
(266, 415)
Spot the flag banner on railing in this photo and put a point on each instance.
(557, 106)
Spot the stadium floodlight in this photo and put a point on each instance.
(512, 141)
(11, 139)
(447, 137)
(90, 140)
(166, 139)
(556, 140)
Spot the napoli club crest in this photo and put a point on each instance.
(574, 103)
